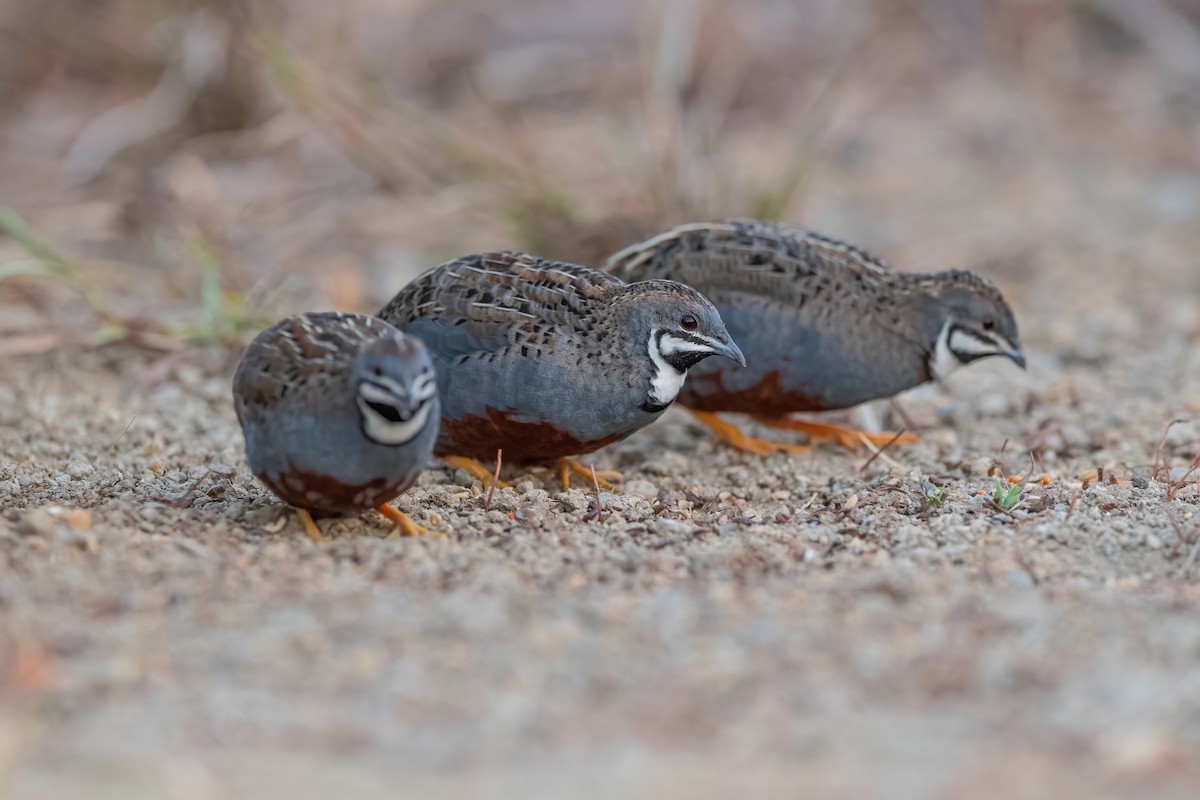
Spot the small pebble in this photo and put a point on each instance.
(38, 522)
(640, 487)
(84, 540)
(672, 528)
(79, 469)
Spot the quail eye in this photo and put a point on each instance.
(688, 322)
(377, 372)
(988, 324)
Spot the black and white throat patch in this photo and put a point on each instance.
(389, 420)
(672, 353)
(957, 346)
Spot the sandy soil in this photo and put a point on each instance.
(782, 626)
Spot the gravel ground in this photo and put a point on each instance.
(809, 621)
(727, 625)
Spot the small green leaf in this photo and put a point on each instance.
(1007, 498)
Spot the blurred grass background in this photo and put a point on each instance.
(177, 171)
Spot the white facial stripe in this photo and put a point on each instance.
(382, 430)
(970, 344)
(424, 387)
(675, 344)
(955, 346)
(374, 391)
(380, 389)
(666, 381)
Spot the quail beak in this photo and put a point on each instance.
(1017, 357)
(731, 351)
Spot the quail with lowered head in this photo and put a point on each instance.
(545, 360)
(824, 325)
(339, 413)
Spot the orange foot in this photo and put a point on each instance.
(475, 470)
(849, 438)
(406, 525)
(605, 478)
(729, 434)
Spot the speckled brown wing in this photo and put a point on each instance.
(310, 354)
(488, 303)
(737, 260)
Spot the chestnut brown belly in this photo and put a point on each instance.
(316, 492)
(767, 398)
(523, 443)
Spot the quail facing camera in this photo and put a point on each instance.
(339, 413)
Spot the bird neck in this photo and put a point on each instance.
(666, 375)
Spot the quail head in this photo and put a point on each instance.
(544, 360)
(824, 325)
(339, 413)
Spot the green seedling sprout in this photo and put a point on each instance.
(1006, 498)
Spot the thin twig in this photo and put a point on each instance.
(879, 452)
(1071, 508)
(113, 446)
(1160, 462)
(597, 512)
(487, 506)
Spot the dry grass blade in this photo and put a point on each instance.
(1071, 507)
(1161, 470)
(596, 512)
(1159, 457)
(23, 234)
(880, 450)
(32, 344)
(487, 505)
(117, 441)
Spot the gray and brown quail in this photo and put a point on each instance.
(339, 413)
(545, 360)
(824, 325)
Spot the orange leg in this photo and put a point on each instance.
(729, 433)
(406, 525)
(475, 470)
(566, 466)
(849, 438)
(310, 527)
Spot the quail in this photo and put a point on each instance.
(545, 360)
(824, 324)
(339, 413)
